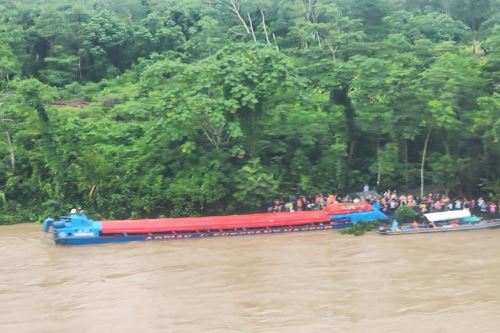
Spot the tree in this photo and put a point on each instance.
(434, 26)
(254, 185)
(450, 85)
(8, 64)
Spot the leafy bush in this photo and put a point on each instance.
(360, 228)
(405, 214)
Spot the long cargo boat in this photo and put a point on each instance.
(80, 229)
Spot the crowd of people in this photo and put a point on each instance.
(388, 202)
(301, 202)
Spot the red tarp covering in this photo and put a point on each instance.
(227, 222)
(214, 222)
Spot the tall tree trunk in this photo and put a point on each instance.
(341, 97)
(80, 76)
(264, 26)
(379, 176)
(475, 52)
(445, 144)
(352, 149)
(11, 152)
(275, 44)
(251, 28)
(424, 154)
(235, 8)
(406, 163)
(333, 51)
(446, 147)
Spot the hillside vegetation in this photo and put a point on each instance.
(146, 108)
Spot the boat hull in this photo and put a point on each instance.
(448, 228)
(131, 238)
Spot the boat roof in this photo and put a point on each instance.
(448, 215)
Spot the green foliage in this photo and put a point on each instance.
(404, 214)
(8, 64)
(254, 185)
(434, 26)
(360, 228)
(150, 108)
(447, 173)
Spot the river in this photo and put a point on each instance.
(287, 283)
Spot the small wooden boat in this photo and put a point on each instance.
(458, 220)
(444, 228)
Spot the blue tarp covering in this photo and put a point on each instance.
(356, 217)
(470, 219)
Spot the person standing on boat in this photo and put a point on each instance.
(393, 204)
(472, 206)
(437, 206)
(480, 202)
(466, 203)
(493, 209)
(395, 225)
(299, 204)
(331, 199)
(277, 205)
(423, 208)
(318, 202)
(483, 206)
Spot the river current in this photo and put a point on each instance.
(287, 283)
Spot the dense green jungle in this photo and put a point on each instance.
(147, 108)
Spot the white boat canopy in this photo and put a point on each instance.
(449, 215)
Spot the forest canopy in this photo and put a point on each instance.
(146, 108)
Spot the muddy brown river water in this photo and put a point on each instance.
(297, 282)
